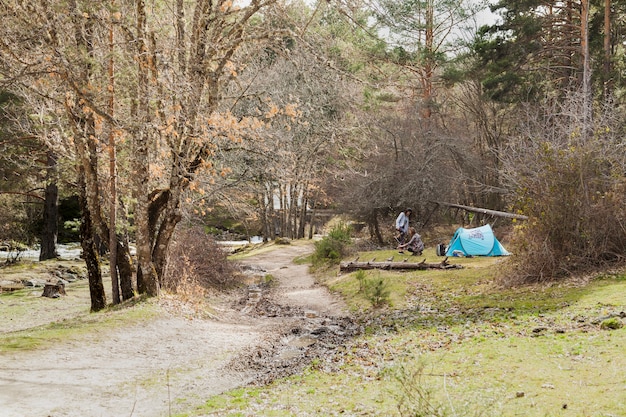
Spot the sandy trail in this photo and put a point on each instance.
(161, 366)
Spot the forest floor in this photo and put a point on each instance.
(169, 354)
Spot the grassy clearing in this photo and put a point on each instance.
(453, 343)
(30, 321)
(82, 324)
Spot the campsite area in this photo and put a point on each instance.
(443, 343)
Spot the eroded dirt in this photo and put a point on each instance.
(174, 362)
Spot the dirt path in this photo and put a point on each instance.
(173, 363)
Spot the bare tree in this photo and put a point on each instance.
(173, 68)
(569, 187)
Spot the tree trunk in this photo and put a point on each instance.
(264, 215)
(147, 279)
(113, 242)
(50, 213)
(125, 268)
(163, 239)
(374, 227)
(607, 48)
(586, 84)
(90, 251)
(312, 220)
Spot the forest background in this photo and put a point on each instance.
(151, 115)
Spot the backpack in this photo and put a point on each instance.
(441, 249)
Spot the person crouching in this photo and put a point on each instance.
(414, 245)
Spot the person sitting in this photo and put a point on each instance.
(414, 245)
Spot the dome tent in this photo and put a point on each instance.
(479, 241)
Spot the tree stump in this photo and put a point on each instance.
(54, 290)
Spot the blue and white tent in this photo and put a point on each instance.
(479, 241)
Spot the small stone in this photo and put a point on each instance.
(519, 394)
(311, 314)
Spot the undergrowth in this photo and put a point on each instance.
(197, 263)
(333, 247)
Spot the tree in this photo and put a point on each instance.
(547, 47)
(170, 81)
(51, 210)
(423, 35)
(300, 89)
(24, 156)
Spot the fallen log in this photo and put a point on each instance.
(494, 213)
(404, 265)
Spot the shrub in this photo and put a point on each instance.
(361, 277)
(567, 176)
(334, 246)
(195, 259)
(377, 292)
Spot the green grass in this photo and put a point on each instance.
(84, 325)
(72, 318)
(454, 343)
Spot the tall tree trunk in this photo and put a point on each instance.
(373, 225)
(264, 217)
(51, 212)
(147, 279)
(302, 225)
(115, 288)
(586, 84)
(164, 237)
(84, 126)
(283, 211)
(90, 251)
(607, 48)
(312, 220)
(428, 65)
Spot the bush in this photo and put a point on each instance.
(195, 259)
(568, 178)
(332, 248)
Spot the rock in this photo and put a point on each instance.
(319, 331)
(34, 282)
(68, 277)
(311, 314)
